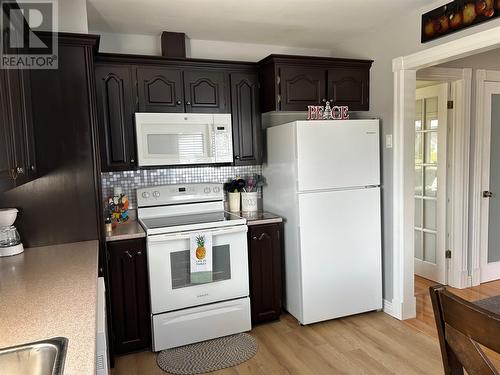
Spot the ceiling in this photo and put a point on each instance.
(294, 23)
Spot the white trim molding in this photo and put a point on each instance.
(404, 69)
(458, 157)
(466, 46)
(404, 302)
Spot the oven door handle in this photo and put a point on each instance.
(187, 235)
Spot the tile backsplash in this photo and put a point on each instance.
(129, 181)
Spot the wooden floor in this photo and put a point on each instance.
(372, 343)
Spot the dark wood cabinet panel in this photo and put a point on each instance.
(129, 292)
(291, 83)
(160, 89)
(350, 87)
(61, 104)
(116, 106)
(17, 157)
(245, 109)
(206, 91)
(301, 86)
(265, 271)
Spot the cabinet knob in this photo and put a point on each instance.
(132, 160)
(254, 238)
(128, 253)
(139, 253)
(237, 157)
(323, 100)
(179, 102)
(188, 103)
(487, 194)
(32, 167)
(20, 170)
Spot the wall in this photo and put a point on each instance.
(203, 49)
(397, 38)
(73, 16)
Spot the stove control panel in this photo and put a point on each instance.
(179, 193)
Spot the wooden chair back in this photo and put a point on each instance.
(462, 327)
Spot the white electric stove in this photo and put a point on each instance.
(184, 312)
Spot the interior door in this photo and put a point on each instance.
(430, 182)
(490, 207)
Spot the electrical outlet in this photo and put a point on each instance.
(388, 141)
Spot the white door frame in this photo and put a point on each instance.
(458, 172)
(403, 305)
(482, 76)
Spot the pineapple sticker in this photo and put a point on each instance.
(200, 250)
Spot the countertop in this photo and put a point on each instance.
(126, 231)
(260, 217)
(51, 291)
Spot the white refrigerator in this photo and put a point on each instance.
(323, 177)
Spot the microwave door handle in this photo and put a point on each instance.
(211, 141)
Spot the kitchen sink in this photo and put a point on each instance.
(44, 357)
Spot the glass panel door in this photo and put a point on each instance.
(430, 171)
(490, 204)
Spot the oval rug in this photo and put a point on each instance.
(208, 356)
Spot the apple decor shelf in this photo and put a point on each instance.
(457, 15)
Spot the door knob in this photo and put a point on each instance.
(487, 194)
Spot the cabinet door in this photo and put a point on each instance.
(116, 106)
(206, 91)
(301, 86)
(265, 271)
(17, 156)
(160, 90)
(129, 295)
(246, 118)
(350, 87)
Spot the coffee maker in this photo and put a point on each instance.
(10, 241)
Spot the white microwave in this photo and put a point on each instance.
(183, 138)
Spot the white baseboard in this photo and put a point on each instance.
(400, 311)
(389, 309)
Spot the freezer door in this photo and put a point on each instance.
(340, 237)
(337, 154)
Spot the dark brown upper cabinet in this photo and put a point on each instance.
(160, 89)
(116, 105)
(291, 83)
(349, 86)
(245, 111)
(206, 91)
(17, 141)
(301, 86)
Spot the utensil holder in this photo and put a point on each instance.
(249, 202)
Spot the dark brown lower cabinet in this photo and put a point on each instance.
(129, 291)
(264, 249)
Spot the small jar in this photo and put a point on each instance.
(108, 225)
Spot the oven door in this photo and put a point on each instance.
(170, 276)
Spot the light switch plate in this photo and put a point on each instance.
(388, 141)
